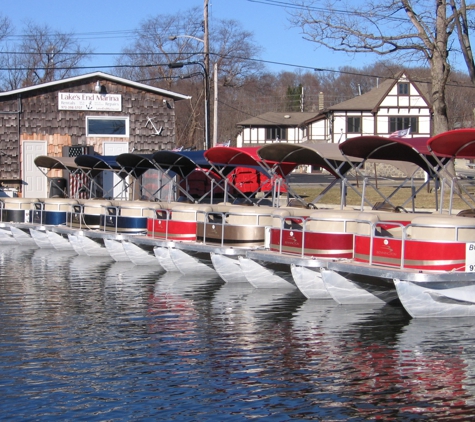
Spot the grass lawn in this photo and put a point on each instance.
(424, 199)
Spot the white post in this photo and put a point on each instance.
(215, 111)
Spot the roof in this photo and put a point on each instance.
(371, 100)
(98, 75)
(278, 119)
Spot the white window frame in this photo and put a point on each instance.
(125, 118)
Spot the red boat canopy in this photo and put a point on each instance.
(244, 157)
(458, 143)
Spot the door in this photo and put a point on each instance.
(113, 185)
(36, 182)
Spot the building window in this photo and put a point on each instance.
(403, 88)
(400, 123)
(353, 125)
(107, 126)
(276, 132)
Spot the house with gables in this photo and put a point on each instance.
(273, 127)
(95, 113)
(398, 104)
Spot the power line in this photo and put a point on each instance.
(287, 5)
(165, 54)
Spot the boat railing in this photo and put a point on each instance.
(302, 227)
(413, 241)
(131, 217)
(235, 224)
(87, 214)
(16, 210)
(161, 214)
(43, 207)
(179, 220)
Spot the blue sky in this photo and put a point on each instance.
(109, 21)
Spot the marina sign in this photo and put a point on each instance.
(89, 101)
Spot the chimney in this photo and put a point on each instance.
(320, 101)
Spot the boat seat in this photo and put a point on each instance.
(224, 207)
(443, 228)
(365, 222)
(58, 204)
(244, 215)
(467, 213)
(94, 206)
(190, 212)
(137, 208)
(300, 215)
(18, 203)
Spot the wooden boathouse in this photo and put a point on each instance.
(92, 113)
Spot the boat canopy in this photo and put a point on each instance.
(135, 164)
(459, 143)
(319, 154)
(100, 162)
(182, 163)
(56, 163)
(231, 157)
(399, 151)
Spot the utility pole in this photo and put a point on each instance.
(207, 72)
(215, 109)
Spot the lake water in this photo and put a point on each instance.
(92, 339)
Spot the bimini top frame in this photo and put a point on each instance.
(135, 165)
(99, 163)
(318, 154)
(183, 164)
(452, 145)
(407, 154)
(225, 160)
(63, 163)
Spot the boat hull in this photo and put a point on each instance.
(267, 275)
(437, 299)
(349, 288)
(116, 250)
(164, 258)
(191, 262)
(139, 255)
(310, 282)
(228, 268)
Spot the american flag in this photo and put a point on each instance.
(401, 133)
(78, 180)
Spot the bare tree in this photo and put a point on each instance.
(460, 12)
(44, 55)
(6, 27)
(411, 30)
(166, 39)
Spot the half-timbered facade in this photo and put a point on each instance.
(394, 105)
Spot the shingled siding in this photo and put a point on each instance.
(40, 119)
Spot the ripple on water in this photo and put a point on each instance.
(90, 338)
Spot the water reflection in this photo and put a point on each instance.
(90, 338)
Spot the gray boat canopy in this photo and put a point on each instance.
(58, 163)
(319, 154)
